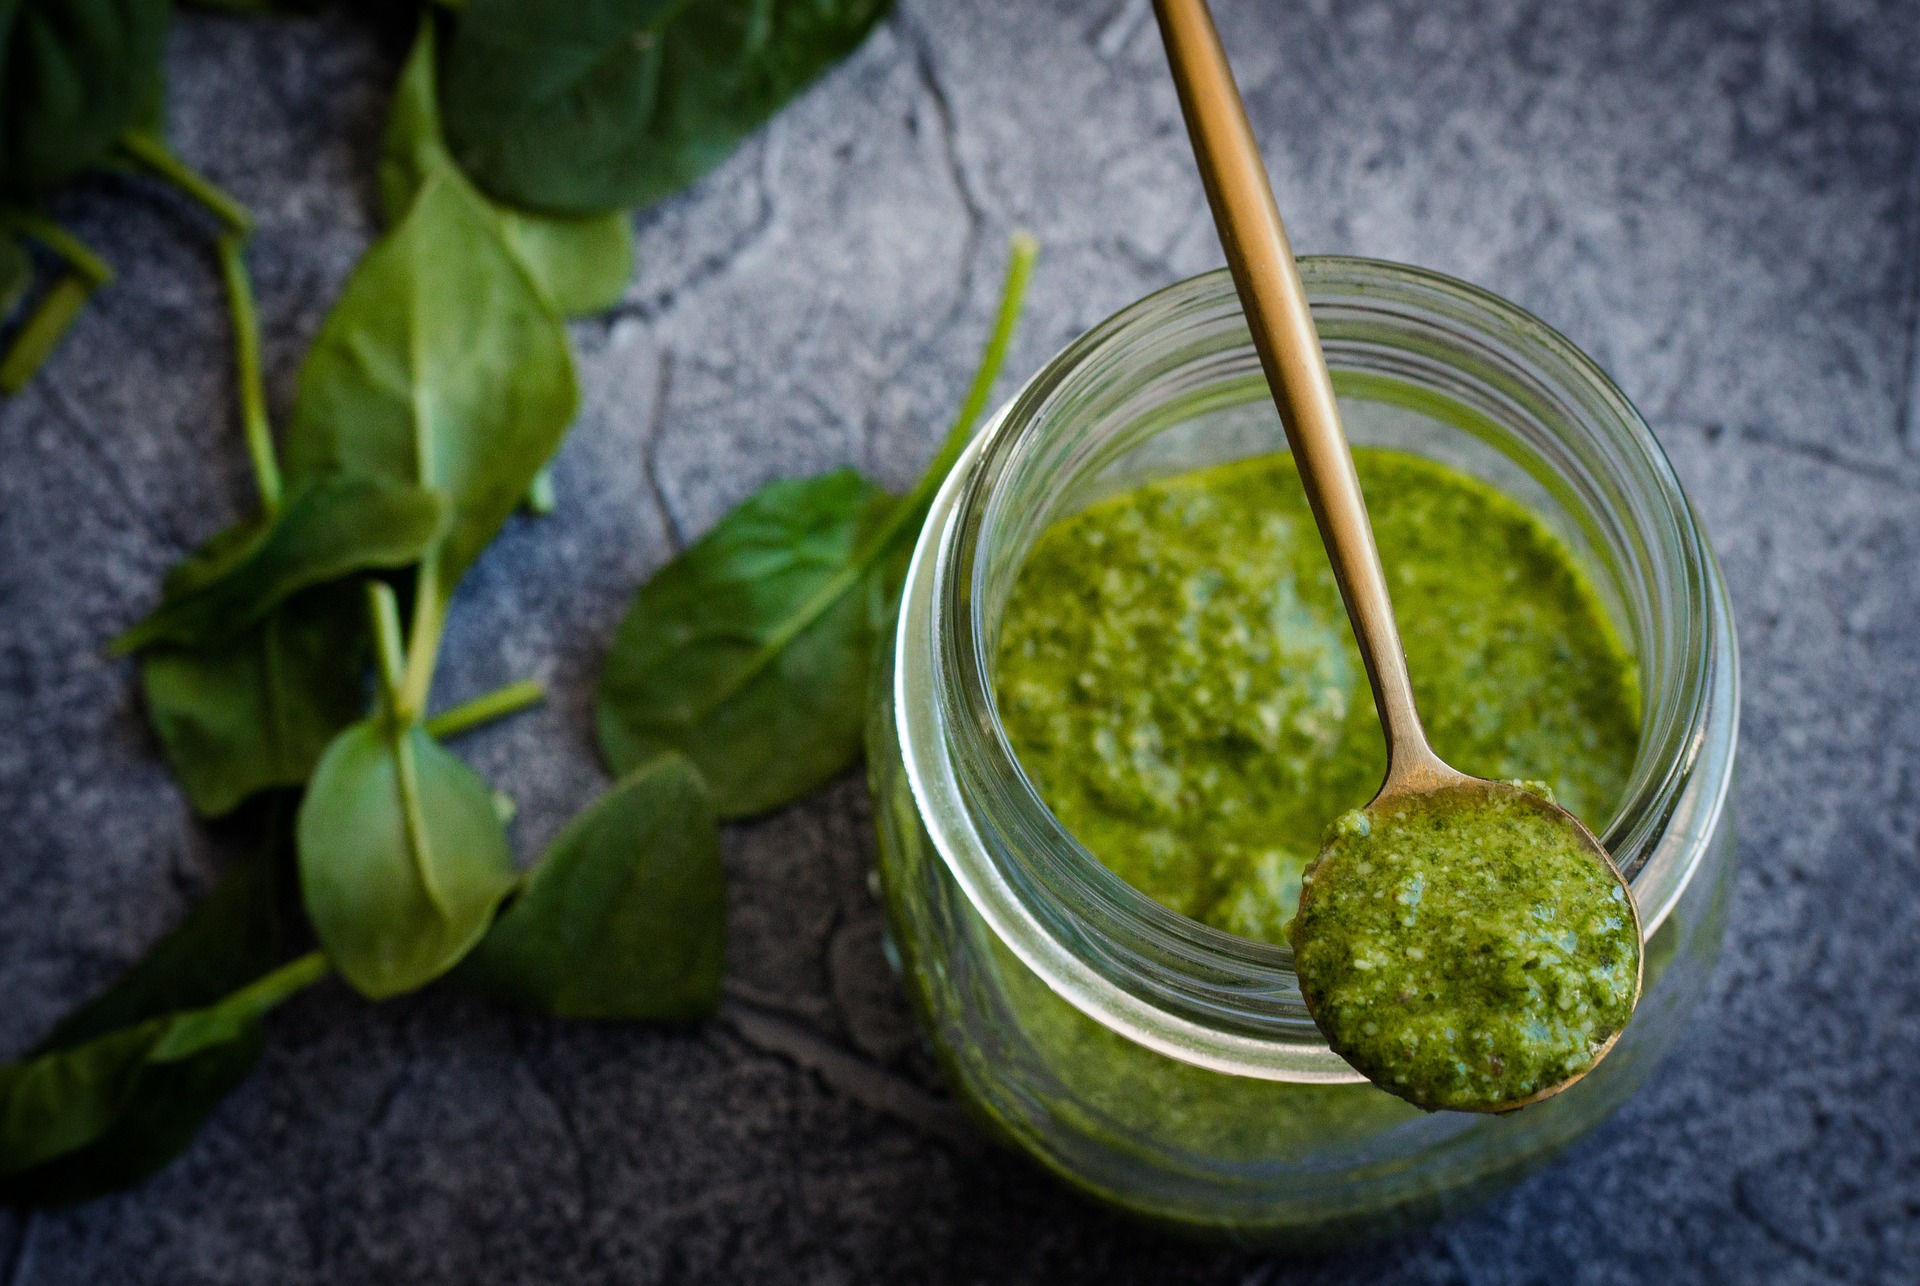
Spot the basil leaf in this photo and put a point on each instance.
(257, 710)
(235, 934)
(159, 1116)
(73, 76)
(625, 916)
(748, 652)
(16, 274)
(328, 529)
(440, 366)
(58, 1102)
(583, 106)
(581, 264)
(54, 1104)
(402, 859)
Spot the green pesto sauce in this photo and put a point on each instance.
(1178, 680)
(1465, 949)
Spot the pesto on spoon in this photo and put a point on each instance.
(1463, 949)
(1465, 944)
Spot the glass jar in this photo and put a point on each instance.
(1150, 1060)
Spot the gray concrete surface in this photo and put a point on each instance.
(1721, 202)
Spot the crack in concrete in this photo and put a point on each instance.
(1887, 473)
(1156, 268)
(22, 1250)
(1118, 31)
(867, 1084)
(311, 1214)
(926, 67)
(717, 264)
(389, 1101)
(915, 37)
(1469, 1275)
(649, 466)
(582, 1173)
(1906, 422)
(834, 1006)
(727, 1199)
(1744, 1206)
(311, 1219)
(829, 413)
(69, 414)
(1686, 371)
(771, 1002)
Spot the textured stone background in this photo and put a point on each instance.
(1721, 202)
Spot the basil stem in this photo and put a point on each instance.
(246, 360)
(57, 309)
(483, 709)
(154, 156)
(387, 650)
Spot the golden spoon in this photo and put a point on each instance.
(1268, 282)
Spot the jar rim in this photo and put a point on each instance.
(1192, 991)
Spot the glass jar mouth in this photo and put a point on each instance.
(1403, 334)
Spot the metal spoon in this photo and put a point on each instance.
(1264, 273)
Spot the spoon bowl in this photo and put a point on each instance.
(1523, 928)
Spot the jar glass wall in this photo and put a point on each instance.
(1155, 1062)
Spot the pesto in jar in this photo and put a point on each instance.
(1178, 680)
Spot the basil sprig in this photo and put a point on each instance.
(427, 410)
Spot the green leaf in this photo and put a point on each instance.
(159, 1116)
(61, 1101)
(440, 366)
(625, 916)
(16, 274)
(55, 1103)
(258, 710)
(584, 106)
(402, 859)
(748, 652)
(330, 528)
(582, 264)
(73, 75)
(235, 934)
(149, 115)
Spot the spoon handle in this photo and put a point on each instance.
(1264, 273)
